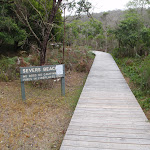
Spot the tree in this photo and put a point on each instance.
(139, 5)
(105, 28)
(44, 19)
(11, 32)
(39, 16)
(145, 33)
(89, 33)
(73, 31)
(128, 33)
(135, 4)
(93, 32)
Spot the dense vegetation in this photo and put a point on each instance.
(24, 23)
(89, 33)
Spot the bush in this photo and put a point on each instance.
(76, 58)
(145, 73)
(116, 53)
(82, 66)
(8, 68)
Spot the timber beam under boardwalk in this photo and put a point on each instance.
(107, 116)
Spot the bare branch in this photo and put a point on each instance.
(24, 19)
(36, 11)
(32, 30)
(44, 7)
(6, 2)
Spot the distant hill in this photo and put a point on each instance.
(113, 17)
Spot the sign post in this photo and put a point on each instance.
(63, 82)
(23, 91)
(41, 73)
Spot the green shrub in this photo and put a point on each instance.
(76, 58)
(145, 104)
(8, 68)
(3, 77)
(90, 55)
(82, 66)
(118, 52)
(145, 73)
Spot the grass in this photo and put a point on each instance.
(41, 122)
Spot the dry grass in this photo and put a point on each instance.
(41, 122)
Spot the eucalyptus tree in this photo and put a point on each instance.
(136, 4)
(11, 32)
(95, 33)
(141, 6)
(39, 16)
(128, 34)
(42, 16)
(145, 33)
(73, 32)
(105, 28)
(89, 33)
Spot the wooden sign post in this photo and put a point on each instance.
(41, 73)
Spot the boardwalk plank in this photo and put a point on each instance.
(109, 129)
(109, 134)
(104, 139)
(105, 145)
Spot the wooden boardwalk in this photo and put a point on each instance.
(107, 116)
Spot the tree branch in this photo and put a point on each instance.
(24, 19)
(32, 31)
(6, 2)
(36, 11)
(44, 7)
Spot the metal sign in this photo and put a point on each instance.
(41, 73)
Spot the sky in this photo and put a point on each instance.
(105, 5)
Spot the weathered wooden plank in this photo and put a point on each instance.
(106, 145)
(108, 106)
(104, 139)
(110, 122)
(114, 125)
(110, 115)
(108, 98)
(108, 129)
(109, 110)
(82, 148)
(108, 134)
(120, 105)
(110, 118)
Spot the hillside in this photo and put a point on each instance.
(113, 17)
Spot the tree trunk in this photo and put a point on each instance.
(16, 46)
(106, 41)
(43, 46)
(43, 54)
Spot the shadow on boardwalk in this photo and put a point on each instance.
(107, 116)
